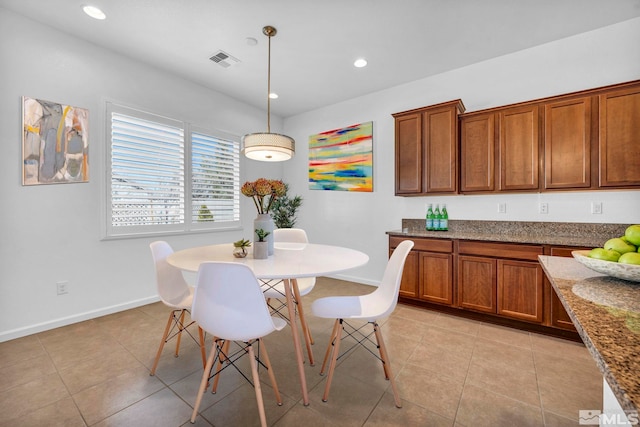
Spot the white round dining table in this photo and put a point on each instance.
(290, 261)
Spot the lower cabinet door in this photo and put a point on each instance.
(559, 316)
(477, 283)
(436, 279)
(409, 283)
(520, 290)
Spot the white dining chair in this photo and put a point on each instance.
(176, 294)
(229, 305)
(274, 289)
(371, 307)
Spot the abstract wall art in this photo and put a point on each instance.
(55, 143)
(342, 159)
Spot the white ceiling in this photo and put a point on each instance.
(317, 41)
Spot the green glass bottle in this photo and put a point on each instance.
(444, 221)
(436, 219)
(429, 218)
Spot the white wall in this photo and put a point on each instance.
(53, 233)
(598, 58)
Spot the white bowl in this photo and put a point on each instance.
(621, 271)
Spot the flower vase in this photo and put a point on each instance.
(265, 222)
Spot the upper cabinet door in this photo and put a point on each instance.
(477, 153)
(409, 154)
(567, 144)
(427, 149)
(440, 130)
(620, 138)
(519, 148)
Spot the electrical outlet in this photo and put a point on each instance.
(62, 287)
(544, 208)
(596, 208)
(502, 208)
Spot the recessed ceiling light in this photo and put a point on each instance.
(251, 41)
(359, 63)
(94, 12)
(273, 95)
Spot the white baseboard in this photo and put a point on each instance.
(360, 280)
(64, 321)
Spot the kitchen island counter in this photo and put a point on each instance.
(609, 327)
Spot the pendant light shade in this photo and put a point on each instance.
(267, 146)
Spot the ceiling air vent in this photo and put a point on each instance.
(223, 59)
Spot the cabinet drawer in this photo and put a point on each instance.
(430, 245)
(566, 251)
(500, 250)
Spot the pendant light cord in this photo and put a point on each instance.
(269, 88)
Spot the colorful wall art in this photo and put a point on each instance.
(55, 143)
(342, 159)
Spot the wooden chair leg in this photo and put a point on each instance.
(272, 376)
(386, 363)
(257, 387)
(203, 383)
(334, 332)
(303, 321)
(222, 349)
(203, 351)
(180, 329)
(334, 360)
(162, 342)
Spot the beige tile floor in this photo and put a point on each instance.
(450, 372)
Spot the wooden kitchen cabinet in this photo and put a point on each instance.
(501, 278)
(567, 144)
(409, 281)
(426, 144)
(557, 314)
(409, 149)
(508, 138)
(520, 290)
(477, 153)
(585, 140)
(477, 283)
(436, 277)
(619, 133)
(428, 270)
(500, 281)
(519, 148)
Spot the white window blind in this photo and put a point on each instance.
(147, 172)
(164, 178)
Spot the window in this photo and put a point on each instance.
(167, 176)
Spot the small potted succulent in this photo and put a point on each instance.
(239, 248)
(261, 248)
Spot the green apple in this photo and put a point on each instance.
(632, 234)
(619, 245)
(604, 254)
(630, 258)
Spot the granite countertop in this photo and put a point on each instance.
(589, 235)
(606, 317)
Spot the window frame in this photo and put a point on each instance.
(188, 225)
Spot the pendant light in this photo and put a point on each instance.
(267, 146)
